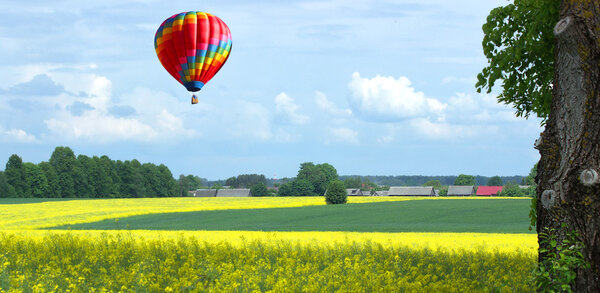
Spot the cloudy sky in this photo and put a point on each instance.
(371, 87)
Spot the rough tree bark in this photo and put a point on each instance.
(569, 169)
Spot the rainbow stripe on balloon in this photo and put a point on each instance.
(192, 47)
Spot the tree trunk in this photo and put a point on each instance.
(569, 170)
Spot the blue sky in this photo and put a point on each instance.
(371, 87)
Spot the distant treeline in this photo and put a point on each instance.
(400, 180)
(65, 175)
(414, 180)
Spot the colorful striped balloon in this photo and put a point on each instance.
(192, 47)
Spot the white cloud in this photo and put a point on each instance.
(325, 104)
(467, 108)
(12, 75)
(16, 74)
(16, 135)
(154, 118)
(343, 134)
(464, 116)
(388, 98)
(285, 106)
(96, 127)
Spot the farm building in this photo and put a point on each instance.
(380, 193)
(357, 192)
(238, 192)
(411, 191)
(205, 193)
(454, 190)
(488, 190)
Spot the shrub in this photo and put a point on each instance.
(336, 193)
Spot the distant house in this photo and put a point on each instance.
(238, 192)
(205, 193)
(380, 193)
(355, 192)
(411, 191)
(488, 190)
(455, 190)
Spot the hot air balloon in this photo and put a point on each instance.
(192, 46)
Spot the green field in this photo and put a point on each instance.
(447, 215)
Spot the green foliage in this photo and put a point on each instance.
(297, 187)
(196, 182)
(512, 189)
(318, 176)
(336, 193)
(529, 191)
(443, 191)
(245, 180)
(64, 162)
(52, 180)
(132, 180)
(519, 45)
(85, 176)
(353, 182)
(6, 190)
(465, 180)
(494, 181)
(259, 189)
(184, 185)
(231, 181)
(191, 183)
(436, 184)
(557, 272)
(68, 176)
(533, 213)
(100, 179)
(36, 182)
(15, 175)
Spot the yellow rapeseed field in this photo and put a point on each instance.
(122, 263)
(506, 243)
(34, 260)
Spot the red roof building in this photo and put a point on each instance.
(488, 190)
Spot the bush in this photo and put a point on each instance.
(336, 193)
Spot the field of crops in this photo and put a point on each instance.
(36, 260)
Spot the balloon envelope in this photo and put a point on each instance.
(192, 47)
